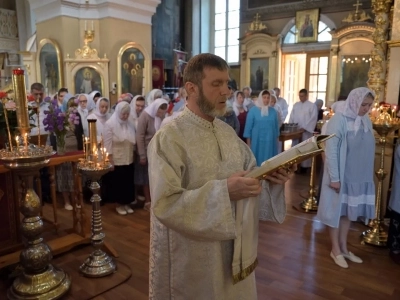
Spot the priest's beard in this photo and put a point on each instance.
(208, 108)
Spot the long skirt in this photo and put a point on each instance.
(121, 188)
(394, 232)
(65, 177)
(141, 172)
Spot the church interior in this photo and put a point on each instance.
(135, 46)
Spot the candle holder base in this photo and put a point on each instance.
(50, 284)
(309, 205)
(377, 235)
(98, 264)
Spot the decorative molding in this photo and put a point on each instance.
(8, 24)
(259, 51)
(393, 44)
(365, 27)
(9, 44)
(139, 11)
(288, 9)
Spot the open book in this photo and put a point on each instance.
(305, 150)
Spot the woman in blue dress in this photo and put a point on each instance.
(262, 129)
(348, 190)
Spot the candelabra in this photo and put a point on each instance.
(383, 124)
(39, 279)
(94, 165)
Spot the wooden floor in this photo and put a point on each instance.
(294, 260)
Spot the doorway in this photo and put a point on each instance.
(304, 70)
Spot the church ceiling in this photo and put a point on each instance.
(277, 9)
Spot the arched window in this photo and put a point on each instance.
(323, 34)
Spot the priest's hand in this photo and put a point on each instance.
(282, 175)
(240, 187)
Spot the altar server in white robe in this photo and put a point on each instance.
(204, 214)
(304, 113)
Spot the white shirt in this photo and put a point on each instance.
(284, 107)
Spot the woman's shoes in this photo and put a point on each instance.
(350, 256)
(121, 210)
(147, 206)
(339, 260)
(68, 206)
(128, 209)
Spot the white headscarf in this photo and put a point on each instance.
(93, 93)
(152, 109)
(264, 108)
(122, 130)
(154, 94)
(236, 104)
(89, 106)
(133, 107)
(97, 112)
(338, 107)
(352, 107)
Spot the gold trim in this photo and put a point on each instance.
(245, 272)
(59, 63)
(147, 84)
(393, 44)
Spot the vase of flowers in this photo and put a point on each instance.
(59, 123)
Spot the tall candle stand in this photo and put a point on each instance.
(310, 204)
(377, 235)
(94, 165)
(39, 279)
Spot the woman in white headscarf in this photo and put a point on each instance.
(248, 102)
(348, 190)
(95, 95)
(148, 124)
(137, 106)
(85, 107)
(119, 141)
(101, 114)
(262, 129)
(152, 95)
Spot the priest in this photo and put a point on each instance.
(204, 214)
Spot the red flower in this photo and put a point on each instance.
(31, 98)
(3, 95)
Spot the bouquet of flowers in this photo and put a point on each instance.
(58, 122)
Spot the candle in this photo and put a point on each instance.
(17, 142)
(86, 149)
(26, 141)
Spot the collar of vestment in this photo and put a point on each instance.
(199, 120)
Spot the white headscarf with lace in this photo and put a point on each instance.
(352, 107)
(260, 103)
(122, 130)
(152, 109)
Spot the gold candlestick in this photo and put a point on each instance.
(92, 139)
(18, 79)
(3, 101)
(310, 204)
(377, 234)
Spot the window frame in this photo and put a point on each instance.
(226, 47)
